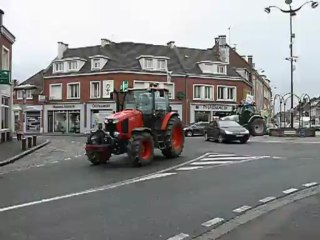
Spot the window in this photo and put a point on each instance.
(96, 63)
(95, 90)
(29, 94)
(161, 64)
(221, 69)
(147, 84)
(73, 90)
(58, 67)
(5, 59)
(55, 91)
(72, 65)
(149, 63)
(202, 92)
(19, 94)
(4, 112)
(226, 93)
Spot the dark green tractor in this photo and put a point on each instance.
(248, 116)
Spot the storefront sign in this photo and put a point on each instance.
(214, 107)
(101, 106)
(63, 106)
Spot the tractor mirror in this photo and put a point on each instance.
(170, 109)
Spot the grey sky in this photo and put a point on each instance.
(39, 25)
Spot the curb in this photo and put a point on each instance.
(21, 155)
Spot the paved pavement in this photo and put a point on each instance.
(9, 149)
(299, 220)
(56, 193)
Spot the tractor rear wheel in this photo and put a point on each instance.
(140, 149)
(257, 127)
(174, 138)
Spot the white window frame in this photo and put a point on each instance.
(146, 65)
(55, 67)
(50, 95)
(202, 93)
(91, 89)
(72, 65)
(3, 61)
(226, 93)
(165, 64)
(161, 85)
(6, 107)
(219, 67)
(68, 92)
(94, 61)
(29, 94)
(19, 94)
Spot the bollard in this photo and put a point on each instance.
(24, 144)
(29, 142)
(34, 140)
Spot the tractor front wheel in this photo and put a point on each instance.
(174, 138)
(257, 127)
(140, 149)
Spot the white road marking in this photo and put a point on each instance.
(40, 165)
(290, 190)
(221, 155)
(267, 199)
(242, 209)
(53, 162)
(67, 159)
(226, 158)
(188, 168)
(211, 162)
(310, 184)
(212, 222)
(92, 190)
(179, 236)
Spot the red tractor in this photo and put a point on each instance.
(145, 122)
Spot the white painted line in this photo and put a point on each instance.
(310, 184)
(179, 236)
(188, 168)
(212, 163)
(53, 162)
(242, 209)
(159, 175)
(267, 199)
(290, 190)
(226, 158)
(212, 222)
(221, 155)
(67, 159)
(40, 165)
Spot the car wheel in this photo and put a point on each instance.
(206, 137)
(189, 134)
(220, 139)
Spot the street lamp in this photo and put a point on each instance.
(292, 12)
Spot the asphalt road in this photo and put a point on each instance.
(57, 194)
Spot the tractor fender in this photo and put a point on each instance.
(141, 129)
(166, 120)
(254, 117)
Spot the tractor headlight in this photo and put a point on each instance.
(94, 139)
(116, 134)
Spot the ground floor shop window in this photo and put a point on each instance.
(64, 121)
(60, 121)
(221, 114)
(74, 122)
(98, 116)
(5, 117)
(202, 116)
(33, 121)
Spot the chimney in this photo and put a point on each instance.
(171, 44)
(105, 42)
(62, 47)
(250, 60)
(222, 40)
(1, 17)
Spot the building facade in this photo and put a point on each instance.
(6, 42)
(77, 86)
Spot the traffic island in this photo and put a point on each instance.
(292, 132)
(15, 150)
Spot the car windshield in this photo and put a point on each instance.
(228, 124)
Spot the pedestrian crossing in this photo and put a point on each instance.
(215, 159)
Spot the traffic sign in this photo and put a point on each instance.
(4, 77)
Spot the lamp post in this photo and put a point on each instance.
(292, 12)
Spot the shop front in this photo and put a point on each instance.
(32, 119)
(206, 112)
(97, 112)
(64, 118)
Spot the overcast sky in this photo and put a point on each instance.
(39, 24)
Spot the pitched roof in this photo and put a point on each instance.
(36, 80)
(123, 56)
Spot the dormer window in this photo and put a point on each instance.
(153, 63)
(213, 67)
(221, 69)
(98, 62)
(72, 65)
(59, 67)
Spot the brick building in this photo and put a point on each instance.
(6, 42)
(77, 84)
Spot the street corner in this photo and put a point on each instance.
(14, 150)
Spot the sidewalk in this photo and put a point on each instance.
(299, 220)
(12, 151)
